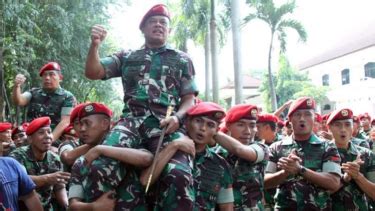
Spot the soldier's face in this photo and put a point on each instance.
(355, 128)
(243, 130)
(93, 128)
(19, 138)
(6, 136)
(317, 127)
(341, 130)
(201, 129)
(156, 31)
(51, 80)
(41, 140)
(302, 121)
(365, 122)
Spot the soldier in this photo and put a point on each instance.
(42, 165)
(86, 187)
(266, 128)
(302, 167)
(357, 163)
(19, 136)
(212, 177)
(246, 157)
(365, 123)
(288, 129)
(49, 100)
(154, 78)
(6, 142)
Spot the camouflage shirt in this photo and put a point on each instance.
(50, 164)
(68, 145)
(296, 193)
(360, 142)
(152, 79)
(212, 180)
(350, 196)
(55, 104)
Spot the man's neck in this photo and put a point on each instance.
(342, 144)
(154, 45)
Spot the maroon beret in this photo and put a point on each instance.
(365, 116)
(301, 103)
(159, 9)
(75, 111)
(209, 109)
(280, 123)
(19, 129)
(318, 118)
(38, 123)
(241, 111)
(70, 131)
(340, 114)
(94, 108)
(50, 66)
(267, 118)
(5, 126)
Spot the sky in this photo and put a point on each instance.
(329, 23)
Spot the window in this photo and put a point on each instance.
(370, 70)
(345, 76)
(325, 80)
(327, 107)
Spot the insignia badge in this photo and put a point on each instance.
(309, 102)
(89, 108)
(253, 112)
(344, 112)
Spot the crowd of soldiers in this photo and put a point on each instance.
(171, 151)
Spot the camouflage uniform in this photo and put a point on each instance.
(360, 142)
(60, 102)
(350, 196)
(152, 80)
(68, 145)
(212, 180)
(296, 193)
(50, 164)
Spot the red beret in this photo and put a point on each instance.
(5, 126)
(242, 111)
(356, 119)
(21, 128)
(75, 111)
(287, 123)
(49, 66)
(365, 116)
(159, 9)
(318, 118)
(267, 118)
(70, 131)
(340, 114)
(94, 108)
(301, 103)
(280, 123)
(38, 123)
(209, 109)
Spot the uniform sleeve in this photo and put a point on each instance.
(68, 104)
(370, 170)
(261, 150)
(112, 64)
(273, 159)
(65, 147)
(26, 185)
(188, 85)
(225, 194)
(76, 180)
(27, 95)
(331, 159)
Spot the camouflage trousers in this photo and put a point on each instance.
(175, 186)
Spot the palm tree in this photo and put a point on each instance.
(278, 20)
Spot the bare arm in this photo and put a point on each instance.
(272, 180)
(105, 202)
(235, 147)
(365, 185)
(226, 206)
(94, 70)
(32, 201)
(17, 96)
(130, 156)
(50, 179)
(59, 129)
(282, 108)
(70, 156)
(328, 181)
(61, 197)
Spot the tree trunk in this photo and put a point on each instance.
(270, 78)
(215, 76)
(207, 65)
(237, 55)
(2, 94)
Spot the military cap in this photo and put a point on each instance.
(5, 126)
(208, 109)
(38, 123)
(267, 118)
(159, 9)
(75, 111)
(50, 66)
(340, 114)
(301, 103)
(19, 129)
(241, 111)
(94, 108)
(280, 123)
(70, 131)
(318, 118)
(365, 116)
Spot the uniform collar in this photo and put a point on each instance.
(352, 149)
(30, 154)
(200, 157)
(312, 140)
(58, 91)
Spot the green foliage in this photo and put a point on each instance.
(36, 32)
(290, 84)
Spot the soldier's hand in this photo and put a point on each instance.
(92, 155)
(186, 144)
(289, 164)
(353, 168)
(325, 135)
(346, 177)
(98, 34)
(171, 123)
(58, 177)
(19, 80)
(105, 202)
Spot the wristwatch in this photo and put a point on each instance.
(302, 170)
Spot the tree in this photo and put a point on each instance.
(291, 84)
(278, 20)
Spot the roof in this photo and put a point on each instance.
(247, 83)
